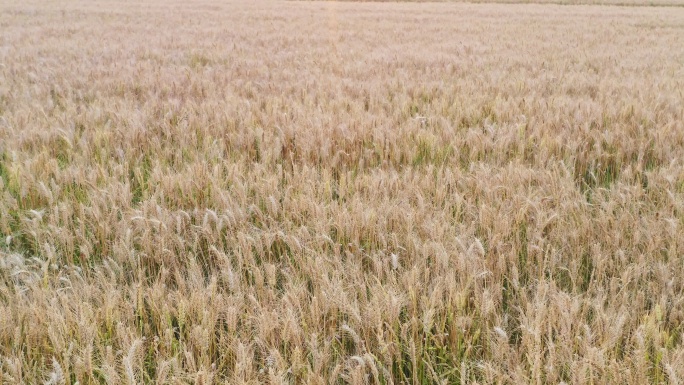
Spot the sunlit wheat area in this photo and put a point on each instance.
(305, 192)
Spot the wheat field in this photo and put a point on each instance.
(279, 192)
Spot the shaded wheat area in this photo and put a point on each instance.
(312, 193)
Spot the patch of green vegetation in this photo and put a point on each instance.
(586, 272)
(139, 176)
(198, 60)
(523, 256)
(563, 279)
(413, 110)
(62, 160)
(150, 364)
(443, 154)
(25, 242)
(656, 371)
(423, 153)
(98, 375)
(76, 192)
(279, 250)
(438, 355)
(431, 153)
(4, 101)
(597, 175)
(9, 179)
(510, 306)
(4, 169)
(57, 99)
(477, 118)
(255, 150)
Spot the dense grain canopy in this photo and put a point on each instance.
(318, 192)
